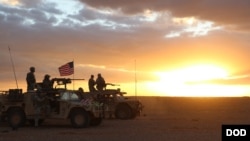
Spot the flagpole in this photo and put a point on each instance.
(135, 81)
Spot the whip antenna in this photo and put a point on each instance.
(13, 67)
(135, 82)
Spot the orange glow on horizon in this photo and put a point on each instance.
(174, 83)
(193, 73)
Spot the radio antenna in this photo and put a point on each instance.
(135, 82)
(13, 67)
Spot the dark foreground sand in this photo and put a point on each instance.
(163, 119)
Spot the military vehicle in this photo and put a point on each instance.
(58, 103)
(115, 104)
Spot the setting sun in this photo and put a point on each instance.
(193, 73)
(176, 82)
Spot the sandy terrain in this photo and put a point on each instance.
(163, 119)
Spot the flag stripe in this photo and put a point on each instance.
(67, 69)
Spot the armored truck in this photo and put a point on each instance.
(36, 106)
(116, 105)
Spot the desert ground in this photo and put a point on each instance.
(162, 119)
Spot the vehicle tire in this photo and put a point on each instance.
(80, 119)
(123, 112)
(16, 118)
(96, 121)
(2, 118)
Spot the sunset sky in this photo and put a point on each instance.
(177, 47)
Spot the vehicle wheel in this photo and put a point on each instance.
(96, 121)
(16, 118)
(32, 122)
(2, 118)
(123, 112)
(80, 119)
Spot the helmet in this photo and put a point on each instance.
(80, 89)
(32, 69)
(47, 76)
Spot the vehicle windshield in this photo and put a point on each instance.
(120, 96)
(68, 95)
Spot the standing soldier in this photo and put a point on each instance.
(92, 84)
(30, 79)
(100, 83)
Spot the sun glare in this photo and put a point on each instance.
(174, 83)
(194, 73)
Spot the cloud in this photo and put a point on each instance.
(10, 2)
(234, 14)
(192, 26)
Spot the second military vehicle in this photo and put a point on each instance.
(115, 104)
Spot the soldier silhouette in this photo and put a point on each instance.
(31, 79)
(47, 83)
(100, 83)
(92, 84)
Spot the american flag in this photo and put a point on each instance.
(67, 69)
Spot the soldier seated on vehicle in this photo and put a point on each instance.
(80, 92)
(47, 84)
